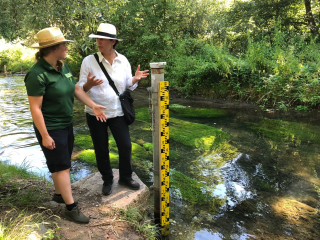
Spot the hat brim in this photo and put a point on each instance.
(36, 45)
(99, 36)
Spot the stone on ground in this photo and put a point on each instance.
(121, 196)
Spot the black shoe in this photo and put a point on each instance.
(132, 184)
(75, 215)
(59, 199)
(107, 188)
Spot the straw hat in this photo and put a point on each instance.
(107, 31)
(48, 37)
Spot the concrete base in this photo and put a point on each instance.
(121, 196)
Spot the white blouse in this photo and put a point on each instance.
(103, 94)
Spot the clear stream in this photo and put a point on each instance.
(267, 186)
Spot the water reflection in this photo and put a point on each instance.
(18, 144)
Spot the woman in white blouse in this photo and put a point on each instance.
(96, 85)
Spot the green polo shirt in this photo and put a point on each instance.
(57, 88)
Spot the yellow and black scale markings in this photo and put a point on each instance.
(164, 157)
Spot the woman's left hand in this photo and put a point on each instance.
(139, 74)
(97, 110)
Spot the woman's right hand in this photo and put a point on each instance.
(92, 81)
(48, 142)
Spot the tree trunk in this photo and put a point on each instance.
(309, 17)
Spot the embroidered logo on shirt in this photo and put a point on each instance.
(69, 75)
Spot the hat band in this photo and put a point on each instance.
(52, 41)
(106, 34)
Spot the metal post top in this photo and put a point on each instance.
(158, 65)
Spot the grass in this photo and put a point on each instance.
(20, 188)
(22, 225)
(147, 229)
(24, 193)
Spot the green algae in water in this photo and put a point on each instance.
(83, 141)
(89, 156)
(191, 112)
(194, 192)
(191, 134)
(196, 135)
(142, 114)
(177, 110)
(172, 154)
(280, 131)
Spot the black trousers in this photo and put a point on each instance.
(100, 139)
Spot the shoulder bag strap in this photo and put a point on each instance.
(111, 82)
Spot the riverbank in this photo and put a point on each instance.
(25, 199)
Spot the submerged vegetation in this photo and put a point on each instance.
(279, 131)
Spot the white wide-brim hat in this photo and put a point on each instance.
(49, 37)
(107, 31)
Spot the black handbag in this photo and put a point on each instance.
(125, 98)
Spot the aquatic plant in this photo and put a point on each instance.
(279, 131)
(83, 141)
(196, 135)
(196, 112)
(193, 192)
(89, 156)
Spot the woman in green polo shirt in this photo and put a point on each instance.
(51, 89)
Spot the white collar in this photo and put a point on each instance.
(101, 57)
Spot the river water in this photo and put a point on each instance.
(265, 181)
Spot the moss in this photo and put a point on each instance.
(176, 110)
(83, 141)
(196, 135)
(148, 146)
(193, 192)
(89, 156)
(191, 134)
(142, 114)
(138, 151)
(280, 131)
(196, 112)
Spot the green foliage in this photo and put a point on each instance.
(280, 131)
(15, 56)
(300, 108)
(262, 51)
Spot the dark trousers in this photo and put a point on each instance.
(100, 139)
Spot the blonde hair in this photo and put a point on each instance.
(43, 52)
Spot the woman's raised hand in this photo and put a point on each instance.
(92, 81)
(140, 74)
